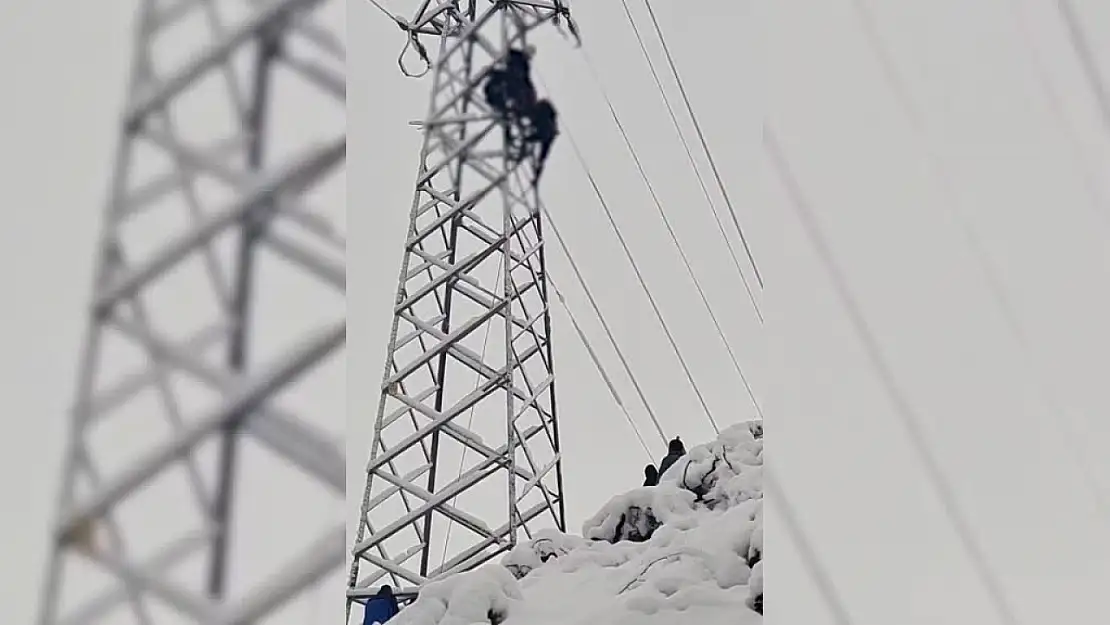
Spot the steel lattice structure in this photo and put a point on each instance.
(466, 435)
(219, 293)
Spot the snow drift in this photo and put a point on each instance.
(689, 550)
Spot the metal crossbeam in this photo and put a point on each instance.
(219, 228)
(465, 454)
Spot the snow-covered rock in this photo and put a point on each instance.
(689, 550)
(484, 595)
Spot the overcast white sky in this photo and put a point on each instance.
(837, 443)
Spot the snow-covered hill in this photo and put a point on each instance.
(686, 551)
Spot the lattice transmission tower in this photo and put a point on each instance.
(210, 403)
(465, 452)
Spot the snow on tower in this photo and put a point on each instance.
(209, 398)
(465, 451)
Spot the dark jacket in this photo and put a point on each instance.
(675, 451)
(381, 607)
(651, 475)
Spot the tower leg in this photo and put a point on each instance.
(206, 243)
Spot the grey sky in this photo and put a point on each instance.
(843, 456)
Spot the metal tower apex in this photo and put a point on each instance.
(465, 456)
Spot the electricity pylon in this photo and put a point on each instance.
(218, 300)
(466, 432)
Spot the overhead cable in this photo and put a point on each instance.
(806, 549)
(1098, 199)
(693, 162)
(903, 408)
(704, 143)
(604, 323)
(1087, 59)
(674, 238)
(994, 283)
(643, 282)
(600, 367)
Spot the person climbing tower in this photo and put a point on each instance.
(651, 475)
(522, 92)
(675, 451)
(509, 90)
(381, 607)
(544, 127)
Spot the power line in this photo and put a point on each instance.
(908, 415)
(674, 236)
(642, 281)
(990, 274)
(704, 143)
(1095, 195)
(806, 549)
(1097, 202)
(604, 323)
(600, 367)
(1087, 60)
(690, 157)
